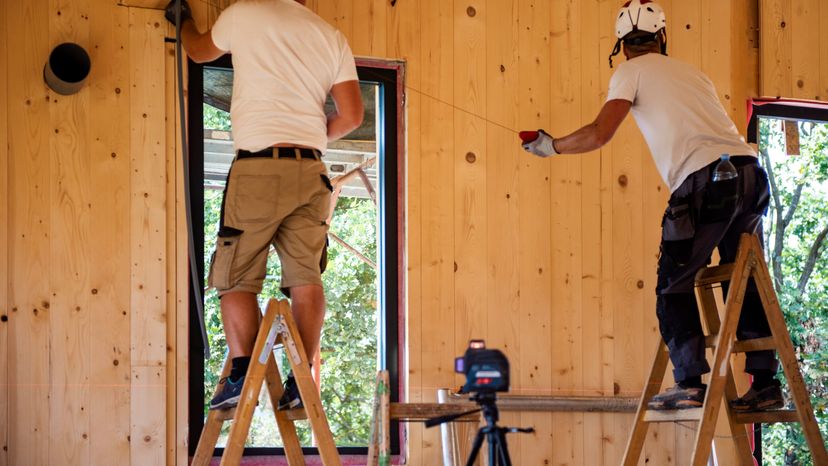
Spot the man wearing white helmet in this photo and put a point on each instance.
(687, 131)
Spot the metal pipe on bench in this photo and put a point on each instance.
(448, 433)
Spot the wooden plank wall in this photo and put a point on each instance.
(90, 255)
(551, 260)
(794, 37)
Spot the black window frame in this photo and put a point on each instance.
(780, 110)
(389, 75)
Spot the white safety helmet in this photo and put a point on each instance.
(639, 16)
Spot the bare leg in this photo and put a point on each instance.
(308, 306)
(240, 315)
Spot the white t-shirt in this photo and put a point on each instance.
(679, 113)
(286, 59)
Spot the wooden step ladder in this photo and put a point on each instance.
(277, 326)
(749, 263)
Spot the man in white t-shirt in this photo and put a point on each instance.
(286, 61)
(687, 131)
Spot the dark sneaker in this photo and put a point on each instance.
(678, 397)
(229, 394)
(290, 398)
(765, 399)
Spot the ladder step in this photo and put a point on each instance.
(694, 414)
(296, 414)
(744, 346)
(767, 417)
(712, 275)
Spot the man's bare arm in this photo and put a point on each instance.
(349, 109)
(199, 47)
(596, 134)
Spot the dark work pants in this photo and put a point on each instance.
(701, 217)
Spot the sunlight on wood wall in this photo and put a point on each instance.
(551, 260)
(90, 263)
(795, 49)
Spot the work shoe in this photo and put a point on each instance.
(764, 399)
(229, 394)
(678, 397)
(291, 399)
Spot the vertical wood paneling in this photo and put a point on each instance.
(565, 234)
(148, 232)
(109, 219)
(591, 356)
(776, 36)
(148, 395)
(470, 220)
(503, 278)
(470, 56)
(369, 33)
(148, 190)
(823, 51)
(502, 189)
(805, 46)
(28, 246)
(69, 250)
(437, 210)
(534, 226)
(4, 240)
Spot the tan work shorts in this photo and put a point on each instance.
(284, 202)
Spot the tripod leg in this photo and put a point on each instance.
(478, 442)
(503, 448)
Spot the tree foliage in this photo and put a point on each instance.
(796, 230)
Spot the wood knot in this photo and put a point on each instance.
(502, 69)
(117, 90)
(640, 284)
(688, 27)
(471, 157)
(800, 83)
(783, 25)
(4, 318)
(94, 291)
(147, 438)
(115, 362)
(471, 12)
(623, 180)
(616, 389)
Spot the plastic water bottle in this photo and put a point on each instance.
(725, 170)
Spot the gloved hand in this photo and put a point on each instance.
(186, 13)
(538, 142)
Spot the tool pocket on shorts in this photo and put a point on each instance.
(720, 200)
(327, 182)
(221, 264)
(677, 231)
(253, 198)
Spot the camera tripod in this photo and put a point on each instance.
(495, 435)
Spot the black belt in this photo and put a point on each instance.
(280, 153)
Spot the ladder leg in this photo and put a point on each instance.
(786, 354)
(709, 311)
(307, 388)
(721, 359)
(287, 429)
(212, 429)
(250, 393)
(639, 432)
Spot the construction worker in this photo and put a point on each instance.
(687, 131)
(286, 61)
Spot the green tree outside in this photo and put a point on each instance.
(796, 229)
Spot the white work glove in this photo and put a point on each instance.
(538, 142)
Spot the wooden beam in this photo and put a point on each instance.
(352, 249)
